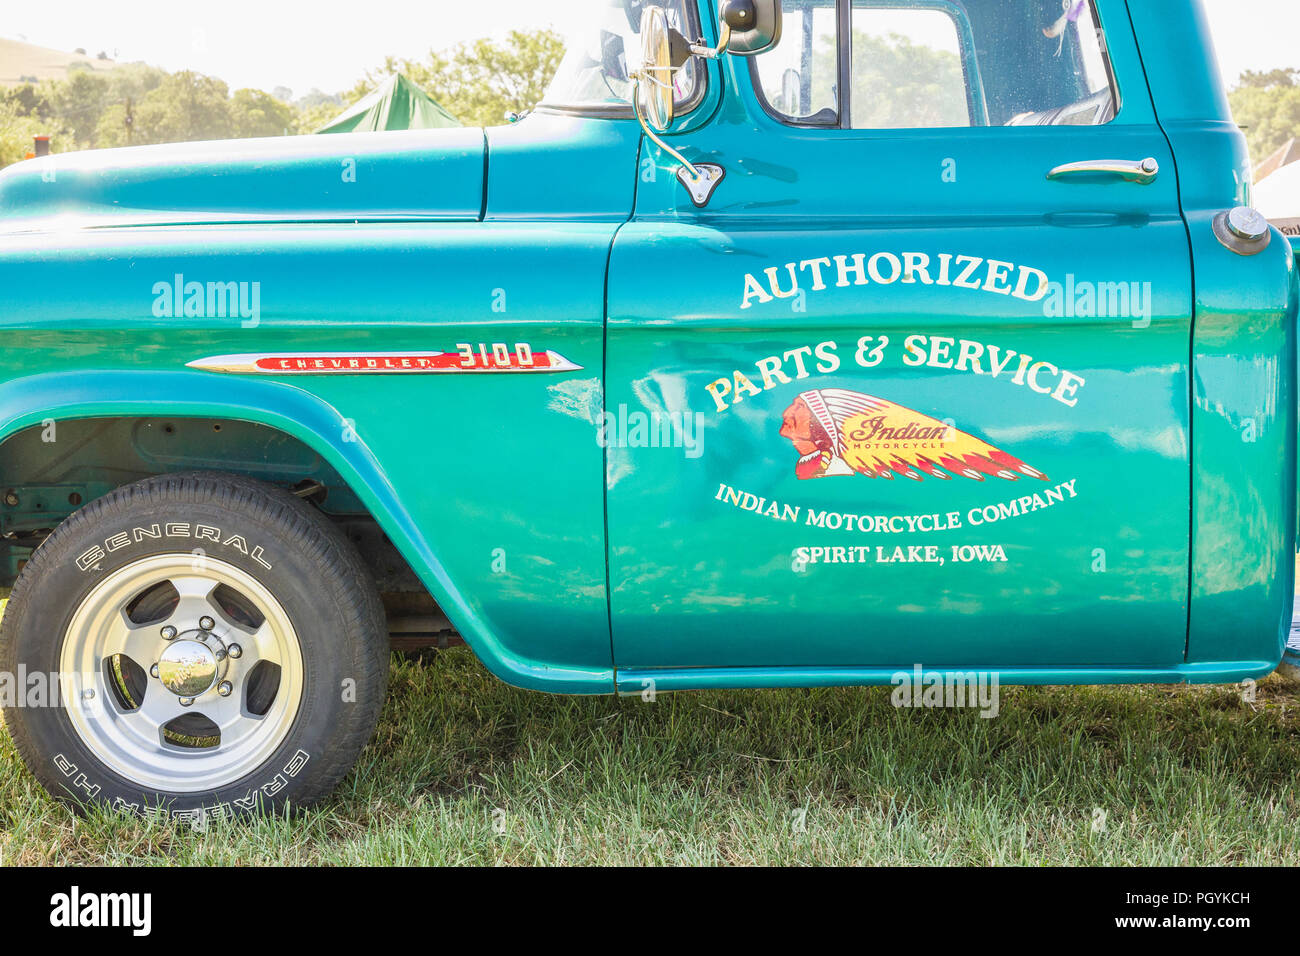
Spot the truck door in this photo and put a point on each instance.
(913, 386)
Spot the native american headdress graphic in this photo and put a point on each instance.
(840, 432)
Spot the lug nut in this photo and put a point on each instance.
(88, 695)
(206, 624)
(235, 652)
(187, 701)
(219, 654)
(153, 672)
(169, 633)
(225, 689)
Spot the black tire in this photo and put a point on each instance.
(314, 573)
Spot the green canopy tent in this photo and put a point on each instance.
(397, 104)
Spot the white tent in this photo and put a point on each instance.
(1278, 198)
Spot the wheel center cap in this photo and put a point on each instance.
(188, 668)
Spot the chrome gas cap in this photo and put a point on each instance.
(1243, 230)
(188, 668)
(1246, 223)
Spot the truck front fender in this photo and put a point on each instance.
(69, 396)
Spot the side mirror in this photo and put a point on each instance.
(654, 88)
(748, 27)
(755, 25)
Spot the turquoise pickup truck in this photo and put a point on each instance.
(785, 344)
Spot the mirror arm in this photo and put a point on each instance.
(636, 108)
(699, 48)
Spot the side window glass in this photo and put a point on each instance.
(937, 64)
(799, 79)
(1067, 81)
(908, 69)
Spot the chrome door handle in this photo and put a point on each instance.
(1142, 171)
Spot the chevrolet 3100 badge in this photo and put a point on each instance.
(765, 352)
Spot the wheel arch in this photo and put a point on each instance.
(66, 397)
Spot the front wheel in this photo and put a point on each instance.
(208, 645)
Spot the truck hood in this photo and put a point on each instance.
(392, 176)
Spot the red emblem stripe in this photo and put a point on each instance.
(383, 363)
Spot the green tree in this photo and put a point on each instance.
(27, 100)
(76, 104)
(480, 82)
(16, 133)
(135, 104)
(1267, 106)
(311, 117)
(255, 114)
(116, 125)
(132, 81)
(127, 86)
(183, 107)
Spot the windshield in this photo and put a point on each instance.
(606, 48)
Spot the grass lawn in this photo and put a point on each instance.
(465, 770)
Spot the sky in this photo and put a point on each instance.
(329, 45)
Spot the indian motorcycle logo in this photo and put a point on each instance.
(839, 432)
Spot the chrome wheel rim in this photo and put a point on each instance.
(187, 673)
